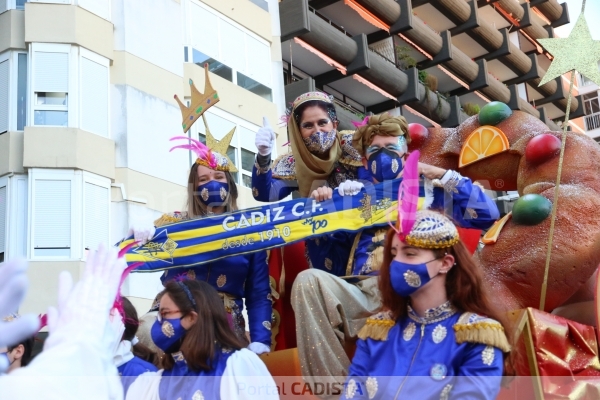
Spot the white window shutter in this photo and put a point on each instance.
(52, 214)
(94, 97)
(3, 208)
(51, 72)
(205, 31)
(96, 214)
(4, 80)
(259, 61)
(232, 47)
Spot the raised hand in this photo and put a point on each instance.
(265, 138)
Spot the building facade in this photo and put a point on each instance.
(87, 110)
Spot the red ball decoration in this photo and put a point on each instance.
(541, 148)
(418, 135)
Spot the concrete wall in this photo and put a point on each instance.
(12, 30)
(58, 147)
(55, 23)
(11, 153)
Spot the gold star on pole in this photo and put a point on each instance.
(577, 52)
(222, 146)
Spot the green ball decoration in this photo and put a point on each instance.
(493, 113)
(531, 209)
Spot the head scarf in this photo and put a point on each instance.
(310, 168)
(379, 125)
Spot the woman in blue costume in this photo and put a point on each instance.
(439, 336)
(321, 157)
(204, 359)
(131, 357)
(212, 190)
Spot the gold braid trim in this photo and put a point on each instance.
(377, 327)
(166, 219)
(488, 333)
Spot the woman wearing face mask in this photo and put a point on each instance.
(321, 157)
(203, 359)
(439, 336)
(212, 190)
(20, 354)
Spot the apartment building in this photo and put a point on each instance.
(87, 109)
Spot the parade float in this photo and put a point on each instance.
(539, 261)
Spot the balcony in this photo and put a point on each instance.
(592, 122)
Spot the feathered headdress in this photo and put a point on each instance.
(424, 228)
(408, 196)
(206, 156)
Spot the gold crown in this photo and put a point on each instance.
(199, 104)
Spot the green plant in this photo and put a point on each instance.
(423, 76)
(404, 59)
(471, 109)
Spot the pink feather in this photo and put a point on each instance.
(201, 150)
(359, 124)
(408, 195)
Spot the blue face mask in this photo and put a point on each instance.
(385, 164)
(167, 333)
(213, 193)
(5, 361)
(408, 278)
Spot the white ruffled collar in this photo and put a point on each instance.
(123, 353)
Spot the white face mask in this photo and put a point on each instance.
(319, 142)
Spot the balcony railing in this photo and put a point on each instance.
(592, 121)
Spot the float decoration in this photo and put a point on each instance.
(568, 57)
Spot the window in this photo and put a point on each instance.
(50, 83)
(21, 91)
(262, 4)
(242, 150)
(52, 216)
(96, 204)
(592, 111)
(4, 91)
(70, 211)
(69, 87)
(3, 227)
(93, 92)
(231, 51)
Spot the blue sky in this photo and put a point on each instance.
(592, 11)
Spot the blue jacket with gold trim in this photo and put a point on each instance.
(446, 354)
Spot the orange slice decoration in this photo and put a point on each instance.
(483, 142)
(491, 236)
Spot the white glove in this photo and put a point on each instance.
(13, 287)
(349, 188)
(142, 233)
(265, 138)
(83, 310)
(259, 348)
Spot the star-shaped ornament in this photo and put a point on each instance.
(220, 146)
(577, 52)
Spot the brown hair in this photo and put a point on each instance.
(195, 207)
(379, 125)
(132, 323)
(198, 346)
(464, 284)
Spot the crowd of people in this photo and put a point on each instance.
(413, 301)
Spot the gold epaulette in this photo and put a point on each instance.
(350, 156)
(474, 328)
(170, 218)
(377, 326)
(284, 167)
